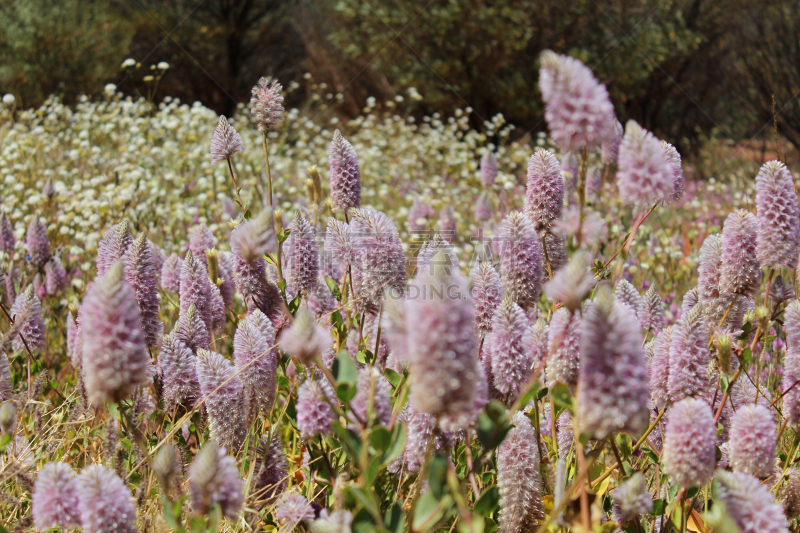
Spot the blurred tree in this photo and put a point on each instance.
(63, 47)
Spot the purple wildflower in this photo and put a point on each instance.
(55, 276)
(521, 268)
(381, 257)
(418, 215)
(293, 508)
(488, 169)
(314, 412)
(214, 479)
(571, 284)
(689, 450)
(632, 499)
(256, 358)
(739, 270)
(483, 208)
(510, 361)
(196, 289)
(610, 146)
(28, 321)
(55, 497)
(652, 317)
(345, 174)
(753, 441)
(536, 342)
(751, 504)
(518, 478)
(191, 330)
(113, 245)
(373, 397)
(171, 273)
(225, 406)
(105, 502)
(628, 295)
(778, 216)
(302, 265)
(644, 175)
(140, 273)
(689, 357)
(7, 240)
(659, 368)
(266, 104)
(6, 388)
(564, 345)
(305, 340)
(176, 363)
(487, 291)
(270, 474)
(37, 242)
(225, 141)
(674, 160)
(544, 199)
(254, 238)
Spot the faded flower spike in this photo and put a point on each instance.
(674, 160)
(488, 169)
(28, 322)
(225, 141)
(521, 262)
(105, 502)
(266, 104)
(753, 441)
(345, 174)
(571, 284)
(778, 216)
(688, 455)
(578, 111)
(751, 504)
(563, 351)
(544, 199)
(305, 340)
(613, 381)
(518, 479)
(214, 478)
(255, 237)
(55, 497)
(631, 499)
(115, 358)
(644, 175)
(739, 270)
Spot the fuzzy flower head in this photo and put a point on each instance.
(521, 262)
(652, 317)
(191, 330)
(305, 340)
(113, 245)
(610, 147)
(632, 499)
(443, 350)
(644, 175)
(256, 360)
(345, 174)
(753, 441)
(373, 398)
(578, 111)
(488, 169)
(739, 270)
(563, 348)
(613, 382)
(750, 503)
(176, 364)
(293, 508)
(105, 502)
(141, 275)
(37, 243)
(115, 358)
(659, 368)
(689, 453)
(544, 198)
(55, 497)
(571, 284)
(588, 232)
(483, 208)
(270, 474)
(171, 273)
(214, 478)
(674, 160)
(28, 322)
(266, 104)
(509, 359)
(382, 262)
(628, 295)
(314, 412)
(487, 291)
(778, 216)
(302, 264)
(689, 357)
(255, 237)
(518, 479)
(225, 141)
(7, 239)
(223, 395)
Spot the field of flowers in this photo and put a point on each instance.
(286, 321)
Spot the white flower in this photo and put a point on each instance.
(129, 63)
(163, 65)
(9, 99)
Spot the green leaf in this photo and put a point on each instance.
(349, 440)
(747, 354)
(724, 384)
(380, 439)
(561, 398)
(531, 394)
(493, 424)
(247, 215)
(624, 444)
(283, 235)
(395, 519)
(334, 288)
(437, 475)
(398, 444)
(214, 518)
(294, 304)
(344, 369)
(429, 511)
(392, 377)
(489, 502)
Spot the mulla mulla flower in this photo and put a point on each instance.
(483, 208)
(488, 169)
(674, 160)
(382, 262)
(544, 199)
(140, 273)
(225, 141)
(214, 479)
(305, 340)
(644, 175)
(314, 412)
(115, 358)
(689, 453)
(778, 216)
(443, 351)
(374, 395)
(55, 497)
(293, 508)
(536, 340)
(628, 295)
(28, 322)
(751, 504)
(250, 276)
(176, 364)
(578, 111)
(659, 368)
(521, 261)
(431, 247)
(612, 380)
(739, 270)
(113, 245)
(509, 360)
(345, 174)
(171, 273)
(191, 330)
(447, 221)
(631, 499)
(421, 427)
(791, 364)
(789, 494)
(195, 290)
(518, 479)
(201, 239)
(652, 317)
(255, 237)
(753, 441)
(302, 265)
(571, 284)
(418, 215)
(270, 474)
(610, 147)
(37, 242)
(563, 347)
(55, 276)
(224, 398)
(7, 240)
(105, 502)
(256, 359)
(266, 104)
(689, 357)
(487, 291)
